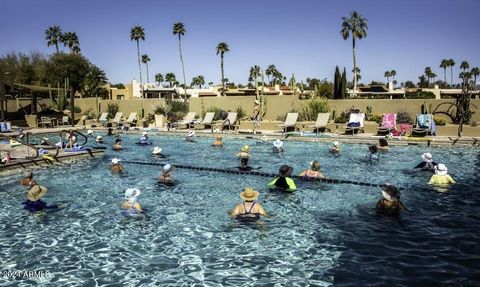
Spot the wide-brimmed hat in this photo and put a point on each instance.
(249, 194)
(191, 133)
(285, 170)
(144, 133)
(132, 193)
(28, 174)
(335, 143)
(45, 139)
(441, 169)
(278, 143)
(99, 137)
(156, 150)
(115, 160)
(257, 102)
(245, 148)
(167, 168)
(89, 132)
(36, 193)
(390, 192)
(427, 157)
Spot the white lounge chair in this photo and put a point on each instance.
(65, 120)
(103, 119)
(355, 123)
(290, 121)
(207, 120)
(321, 122)
(188, 120)
(132, 119)
(229, 122)
(117, 119)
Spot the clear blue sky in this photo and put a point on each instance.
(300, 37)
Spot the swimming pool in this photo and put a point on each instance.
(321, 235)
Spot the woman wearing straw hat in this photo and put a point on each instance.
(166, 176)
(277, 146)
(313, 172)
(441, 176)
(335, 149)
(283, 182)
(390, 204)
(116, 166)
(244, 156)
(130, 206)
(34, 202)
(249, 209)
(256, 116)
(427, 162)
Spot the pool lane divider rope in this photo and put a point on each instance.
(258, 173)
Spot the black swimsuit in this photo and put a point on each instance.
(248, 216)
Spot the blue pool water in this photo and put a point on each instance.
(321, 235)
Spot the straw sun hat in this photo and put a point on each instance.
(245, 148)
(36, 193)
(249, 194)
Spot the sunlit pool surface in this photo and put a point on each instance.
(323, 234)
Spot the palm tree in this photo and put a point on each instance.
(198, 81)
(170, 78)
(393, 73)
(451, 63)
(356, 24)
(464, 65)
(159, 78)
(137, 33)
(387, 75)
(95, 85)
(255, 72)
(428, 73)
(145, 60)
(222, 48)
(475, 73)
(70, 40)
(270, 71)
(444, 65)
(53, 36)
(179, 29)
(356, 72)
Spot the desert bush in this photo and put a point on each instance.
(404, 117)
(420, 95)
(313, 107)
(376, 118)
(112, 109)
(439, 121)
(241, 113)
(216, 110)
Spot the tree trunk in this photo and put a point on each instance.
(223, 76)
(445, 75)
(451, 75)
(183, 69)
(56, 47)
(148, 77)
(139, 67)
(354, 68)
(2, 98)
(72, 105)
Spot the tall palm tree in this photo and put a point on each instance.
(357, 25)
(270, 71)
(53, 36)
(201, 80)
(159, 78)
(137, 33)
(393, 73)
(464, 65)
(170, 78)
(222, 48)
(70, 40)
(428, 74)
(95, 85)
(451, 63)
(444, 66)
(387, 75)
(145, 60)
(179, 29)
(475, 73)
(254, 73)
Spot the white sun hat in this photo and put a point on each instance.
(131, 194)
(278, 143)
(99, 137)
(427, 157)
(115, 160)
(167, 167)
(335, 143)
(89, 132)
(156, 150)
(441, 169)
(144, 133)
(191, 133)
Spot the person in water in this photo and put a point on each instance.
(313, 171)
(218, 141)
(7, 158)
(116, 166)
(441, 176)
(277, 146)
(28, 180)
(249, 209)
(99, 139)
(130, 205)
(144, 140)
(283, 181)
(157, 152)
(390, 204)
(244, 156)
(335, 149)
(373, 153)
(382, 145)
(190, 136)
(34, 202)
(166, 176)
(427, 162)
(117, 145)
(90, 134)
(110, 132)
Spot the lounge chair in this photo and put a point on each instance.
(132, 119)
(5, 127)
(229, 122)
(187, 121)
(103, 120)
(32, 121)
(117, 119)
(65, 120)
(81, 121)
(355, 123)
(45, 122)
(389, 124)
(207, 121)
(290, 121)
(425, 125)
(321, 122)
(159, 121)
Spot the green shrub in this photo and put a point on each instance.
(112, 109)
(404, 117)
(376, 118)
(439, 121)
(90, 113)
(217, 111)
(313, 107)
(345, 115)
(241, 113)
(420, 95)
